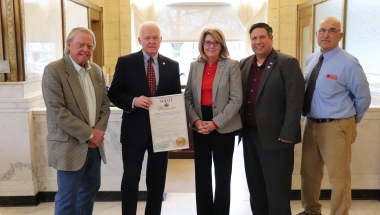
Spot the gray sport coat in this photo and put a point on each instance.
(67, 116)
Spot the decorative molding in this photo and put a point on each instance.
(311, 2)
(2, 76)
(11, 39)
(112, 196)
(63, 14)
(1, 43)
(344, 19)
(23, 37)
(87, 4)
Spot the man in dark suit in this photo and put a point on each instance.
(139, 76)
(273, 91)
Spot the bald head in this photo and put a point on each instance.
(332, 20)
(329, 34)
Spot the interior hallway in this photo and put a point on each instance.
(180, 199)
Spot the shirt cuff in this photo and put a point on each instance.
(133, 103)
(195, 122)
(214, 124)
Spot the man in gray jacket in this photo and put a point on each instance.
(77, 112)
(273, 91)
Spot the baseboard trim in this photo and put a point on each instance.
(113, 196)
(356, 195)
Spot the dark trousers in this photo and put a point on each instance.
(269, 175)
(219, 148)
(155, 179)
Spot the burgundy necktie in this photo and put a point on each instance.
(151, 77)
(311, 87)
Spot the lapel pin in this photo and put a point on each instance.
(163, 63)
(268, 67)
(270, 63)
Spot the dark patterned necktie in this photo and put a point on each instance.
(151, 77)
(311, 86)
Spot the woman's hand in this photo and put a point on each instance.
(205, 127)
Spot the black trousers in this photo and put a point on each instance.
(219, 148)
(269, 175)
(155, 178)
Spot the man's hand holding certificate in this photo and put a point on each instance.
(168, 123)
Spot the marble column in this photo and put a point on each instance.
(17, 151)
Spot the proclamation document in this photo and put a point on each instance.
(168, 123)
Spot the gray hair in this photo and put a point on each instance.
(150, 24)
(72, 34)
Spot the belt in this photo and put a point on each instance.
(321, 120)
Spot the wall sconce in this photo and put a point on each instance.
(4, 66)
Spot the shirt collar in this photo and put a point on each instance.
(329, 54)
(78, 68)
(146, 57)
(254, 62)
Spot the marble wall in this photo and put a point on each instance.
(111, 172)
(18, 167)
(24, 169)
(23, 150)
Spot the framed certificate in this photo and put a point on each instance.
(168, 123)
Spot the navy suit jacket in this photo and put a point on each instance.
(130, 81)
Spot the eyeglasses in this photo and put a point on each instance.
(330, 31)
(208, 43)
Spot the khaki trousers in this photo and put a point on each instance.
(327, 143)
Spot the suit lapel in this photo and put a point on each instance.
(142, 74)
(162, 68)
(219, 72)
(97, 82)
(272, 59)
(76, 87)
(198, 79)
(245, 73)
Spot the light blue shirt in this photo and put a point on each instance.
(342, 89)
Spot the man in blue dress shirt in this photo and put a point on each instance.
(336, 98)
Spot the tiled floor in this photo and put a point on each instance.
(184, 204)
(180, 198)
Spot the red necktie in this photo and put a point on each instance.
(311, 87)
(151, 77)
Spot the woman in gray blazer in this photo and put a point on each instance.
(213, 98)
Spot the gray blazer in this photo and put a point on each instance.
(226, 95)
(67, 116)
(279, 100)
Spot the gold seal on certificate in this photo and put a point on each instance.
(167, 115)
(180, 141)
